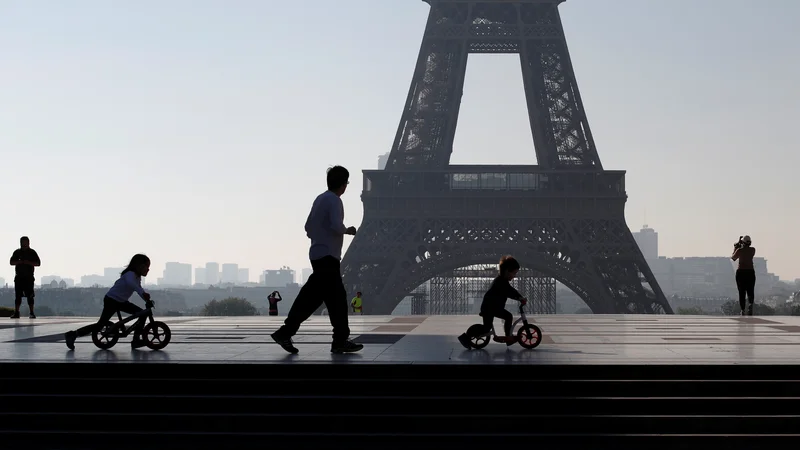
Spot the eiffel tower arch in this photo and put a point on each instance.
(563, 218)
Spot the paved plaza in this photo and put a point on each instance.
(568, 339)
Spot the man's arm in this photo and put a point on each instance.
(36, 261)
(735, 255)
(14, 258)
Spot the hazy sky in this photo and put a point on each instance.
(199, 130)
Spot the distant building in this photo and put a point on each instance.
(230, 273)
(706, 276)
(48, 280)
(176, 274)
(212, 273)
(382, 160)
(244, 275)
(305, 274)
(277, 278)
(92, 280)
(2, 281)
(112, 273)
(647, 239)
(199, 275)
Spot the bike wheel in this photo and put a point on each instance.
(156, 335)
(535, 336)
(478, 330)
(106, 336)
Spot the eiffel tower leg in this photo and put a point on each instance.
(425, 135)
(560, 129)
(622, 277)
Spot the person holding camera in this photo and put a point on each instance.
(743, 251)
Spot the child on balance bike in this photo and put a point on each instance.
(494, 301)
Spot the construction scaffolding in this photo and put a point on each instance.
(460, 292)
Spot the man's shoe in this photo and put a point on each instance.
(31, 316)
(346, 346)
(15, 315)
(70, 337)
(137, 343)
(285, 344)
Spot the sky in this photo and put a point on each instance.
(200, 130)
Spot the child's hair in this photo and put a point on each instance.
(508, 264)
(137, 261)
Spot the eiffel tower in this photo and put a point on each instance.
(563, 218)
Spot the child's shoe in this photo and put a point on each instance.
(464, 339)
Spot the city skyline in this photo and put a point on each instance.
(647, 238)
(138, 147)
(165, 278)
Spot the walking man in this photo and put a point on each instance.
(24, 259)
(325, 227)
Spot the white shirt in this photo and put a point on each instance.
(325, 226)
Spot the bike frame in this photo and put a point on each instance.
(141, 316)
(522, 318)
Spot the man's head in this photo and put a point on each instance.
(358, 294)
(338, 179)
(24, 242)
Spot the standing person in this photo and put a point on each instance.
(356, 304)
(745, 273)
(273, 299)
(24, 259)
(325, 227)
(118, 299)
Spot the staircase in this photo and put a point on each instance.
(398, 406)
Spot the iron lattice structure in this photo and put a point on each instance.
(460, 291)
(563, 217)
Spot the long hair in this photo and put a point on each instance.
(137, 261)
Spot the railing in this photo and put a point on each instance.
(466, 179)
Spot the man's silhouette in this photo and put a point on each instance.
(24, 259)
(325, 227)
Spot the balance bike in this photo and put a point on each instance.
(529, 335)
(156, 335)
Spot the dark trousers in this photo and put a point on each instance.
(110, 307)
(323, 286)
(23, 287)
(746, 283)
(489, 316)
